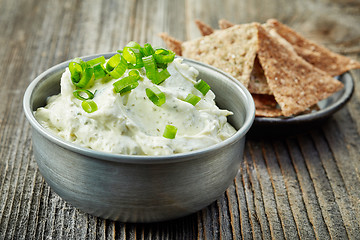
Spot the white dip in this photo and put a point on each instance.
(132, 124)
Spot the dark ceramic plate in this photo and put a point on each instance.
(279, 126)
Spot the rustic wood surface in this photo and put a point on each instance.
(304, 186)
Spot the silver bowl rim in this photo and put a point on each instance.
(137, 159)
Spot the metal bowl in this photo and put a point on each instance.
(140, 188)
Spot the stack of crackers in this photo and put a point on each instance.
(286, 74)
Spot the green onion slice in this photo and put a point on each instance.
(77, 93)
(192, 99)
(202, 86)
(147, 50)
(99, 71)
(164, 56)
(96, 61)
(113, 62)
(156, 95)
(125, 84)
(132, 54)
(135, 73)
(89, 106)
(161, 65)
(85, 77)
(76, 67)
(116, 66)
(170, 131)
(151, 68)
(163, 75)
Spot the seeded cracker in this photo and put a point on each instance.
(232, 50)
(258, 83)
(204, 28)
(296, 84)
(266, 106)
(223, 24)
(172, 43)
(322, 58)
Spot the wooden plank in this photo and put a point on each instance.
(251, 206)
(280, 194)
(308, 192)
(245, 226)
(262, 177)
(337, 184)
(335, 139)
(323, 191)
(258, 199)
(294, 192)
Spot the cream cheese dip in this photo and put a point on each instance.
(131, 123)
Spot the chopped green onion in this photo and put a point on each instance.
(202, 86)
(151, 68)
(163, 75)
(89, 94)
(99, 71)
(135, 73)
(85, 78)
(192, 99)
(156, 95)
(164, 56)
(89, 106)
(161, 65)
(132, 54)
(170, 131)
(125, 84)
(76, 67)
(96, 61)
(113, 62)
(147, 50)
(116, 66)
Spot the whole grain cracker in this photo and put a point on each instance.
(264, 101)
(266, 106)
(268, 112)
(295, 83)
(204, 28)
(232, 50)
(258, 82)
(172, 43)
(322, 58)
(223, 24)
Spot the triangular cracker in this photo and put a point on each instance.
(295, 83)
(258, 83)
(204, 28)
(224, 24)
(232, 50)
(266, 106)
(172, 43)
(322, 58)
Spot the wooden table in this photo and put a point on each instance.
(304, 186)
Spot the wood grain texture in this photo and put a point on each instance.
(297, 187)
